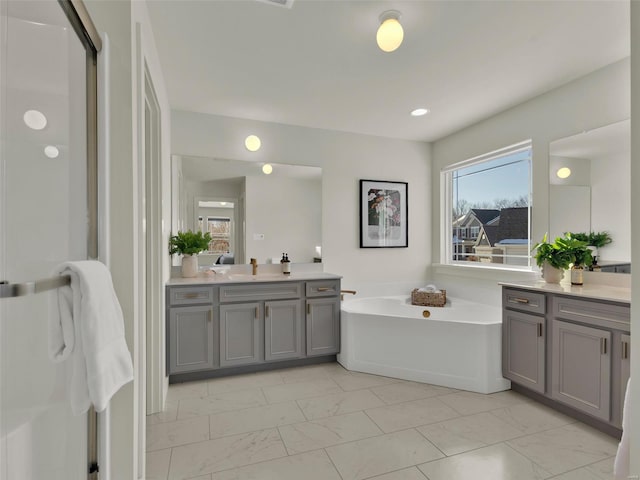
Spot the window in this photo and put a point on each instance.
(487, 212)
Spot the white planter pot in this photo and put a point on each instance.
(551, 274)
(189, 266)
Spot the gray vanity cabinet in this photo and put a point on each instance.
(323, 326)
(240, 334)
(283, 326)
(581, 368)
(323, 317)
(523, 338)
(523, 349)
(240, 327)
(625, 368)
(571, 349)
(192, 339)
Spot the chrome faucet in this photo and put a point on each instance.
(254, 266)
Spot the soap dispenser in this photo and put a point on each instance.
(286, 264)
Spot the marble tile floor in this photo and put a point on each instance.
(323, 422)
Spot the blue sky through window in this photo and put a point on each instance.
(505, 177)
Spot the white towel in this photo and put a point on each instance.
(621, 464)
(429, 289)
(90, 331)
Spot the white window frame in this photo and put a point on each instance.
(446, 200)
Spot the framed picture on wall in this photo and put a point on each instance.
(383, 214)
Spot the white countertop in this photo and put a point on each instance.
(220, 279)
(591, 290)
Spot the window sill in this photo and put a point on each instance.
(483, 272)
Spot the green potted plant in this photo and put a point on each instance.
(594, 240)
(189, 244)
(554, 258)
(581, 257)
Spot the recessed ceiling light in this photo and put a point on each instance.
(563, 172)
(252, 142)
(267, 168)
(418, 112)
(35, 119)
(51, 151)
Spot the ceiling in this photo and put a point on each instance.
(202, 169)
(600, 143)
(317, 64)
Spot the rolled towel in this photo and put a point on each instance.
(429, 289)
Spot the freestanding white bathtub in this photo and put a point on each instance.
(458, 346)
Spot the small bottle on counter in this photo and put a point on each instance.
(286, 264)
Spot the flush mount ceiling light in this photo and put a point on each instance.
(563, 172)
(267, 169)
(390, 32)
(35, 119)
(418, 112)
(252, 142)
(51, 151)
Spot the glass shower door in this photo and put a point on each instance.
(43, 222)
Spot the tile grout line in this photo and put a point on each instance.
(332, 462)
(434, 445)
(532, 461)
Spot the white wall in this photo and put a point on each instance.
(118, 20)
(114, 18)
(610, 204)
(635, 225)
(345, 158)
(290, 221)
(218, 190)
(589, 102)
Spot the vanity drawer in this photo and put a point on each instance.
(262, 291)
(524, 300)
(192, 295)
(323, 288)
(608, 315)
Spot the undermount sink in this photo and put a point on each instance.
(258, 277)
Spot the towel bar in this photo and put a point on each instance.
(9, 290)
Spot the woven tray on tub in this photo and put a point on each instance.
(428, 299)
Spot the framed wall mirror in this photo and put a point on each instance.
(590, 190)
(249, 213)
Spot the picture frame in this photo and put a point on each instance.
(384, 219)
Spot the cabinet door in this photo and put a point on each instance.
(283, 330)
(523, 349)
(323, 326)
(625, 367)
(191, 339)
(240, 334)
(581, 368)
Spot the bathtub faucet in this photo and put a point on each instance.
(342, 292)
